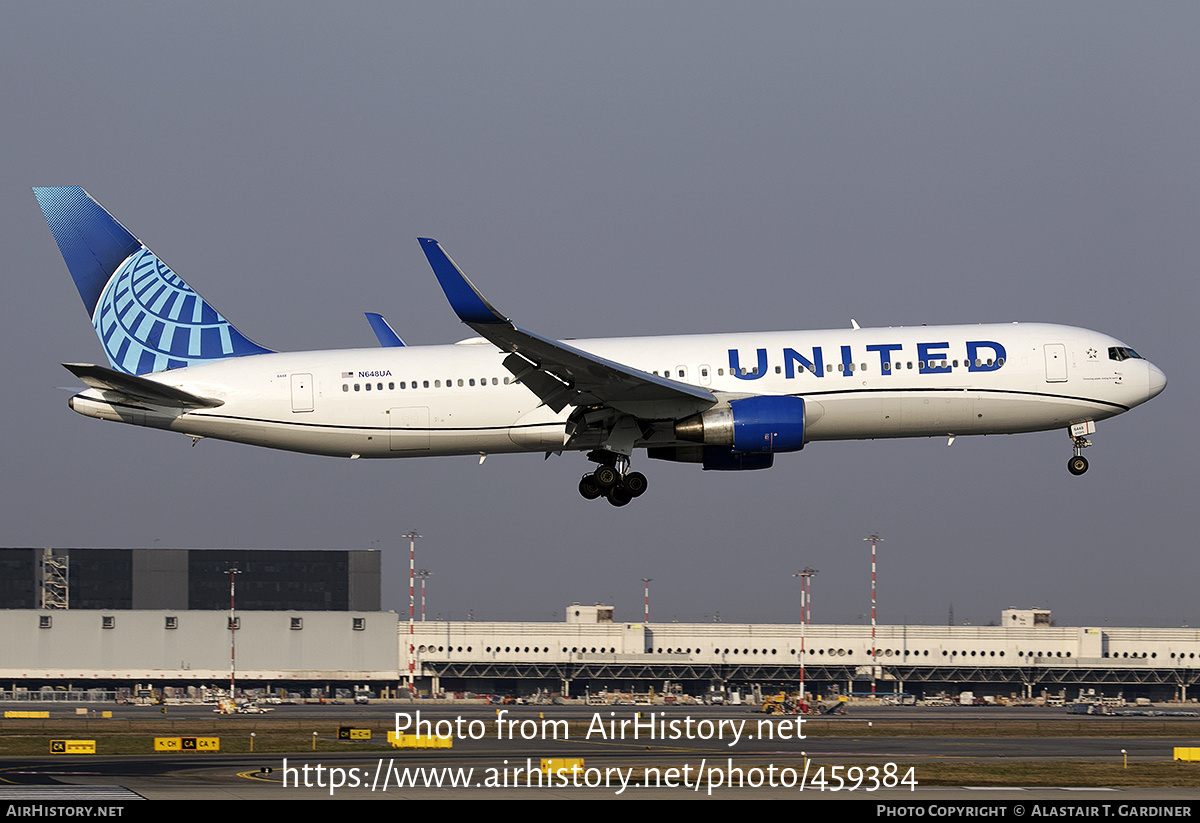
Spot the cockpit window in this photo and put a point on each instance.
(1119, 353)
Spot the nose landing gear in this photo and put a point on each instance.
(612, 479)
(1078, 464)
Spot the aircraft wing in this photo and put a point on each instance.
(562, 375)
(139, 388)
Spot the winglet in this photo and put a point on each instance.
(465, 299)
(387, 338)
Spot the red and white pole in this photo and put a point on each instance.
(873, 539)
(232, 634)
(412, 607)
(805, 576)
(809, 571)
(424, 574)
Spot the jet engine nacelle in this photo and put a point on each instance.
(750, 425)
(714, 458)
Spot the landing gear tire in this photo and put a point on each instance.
(619, 495)
(1077, 465)
(612, 479)
(605, 477)
(588, 488)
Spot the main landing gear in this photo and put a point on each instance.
(612, 479)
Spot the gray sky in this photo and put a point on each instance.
(617, 169)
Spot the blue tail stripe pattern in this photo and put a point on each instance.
(146, 317)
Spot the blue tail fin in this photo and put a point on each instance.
(147, 318)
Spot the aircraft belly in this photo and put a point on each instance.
(938, 412)
(1012, 414)
(539, 430)
(448, 443)
(275, 434)
(934, 414)
(868, 415)
(416, 439)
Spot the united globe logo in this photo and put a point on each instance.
(150, 320)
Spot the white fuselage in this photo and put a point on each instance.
(459, 399)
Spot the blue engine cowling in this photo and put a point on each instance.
(750, 425)
(766, 425)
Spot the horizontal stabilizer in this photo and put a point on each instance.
(387, 338)
(138, 388)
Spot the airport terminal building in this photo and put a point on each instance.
(311, 620)
(299, 650)
(1024, 656)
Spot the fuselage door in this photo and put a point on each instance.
(408, 429)
(1056, 362)
(302, 393)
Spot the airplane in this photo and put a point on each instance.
(728, 402)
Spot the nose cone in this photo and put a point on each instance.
(1158, 381)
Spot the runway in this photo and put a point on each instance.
(879, 753)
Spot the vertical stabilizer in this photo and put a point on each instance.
(383, 331)
(147, 318)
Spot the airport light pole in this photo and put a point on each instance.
(873, 539)
(806, 593)
(232, 571)
(424, 574)
(646, 580)
(412, 536)
(805, 576)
